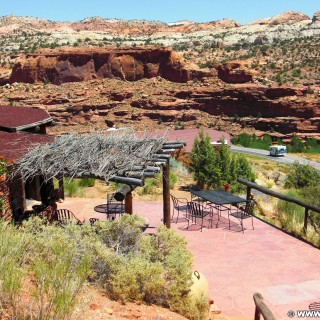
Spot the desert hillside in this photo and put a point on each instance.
(97, 73)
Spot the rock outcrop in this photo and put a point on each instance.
(316, 17)
(288, 17)
(234, 72)
(146, 103)
(131, 64)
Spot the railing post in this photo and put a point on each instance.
(257, 314)
(306, 217)
(262, 308)
(166, 194)
(248, 193)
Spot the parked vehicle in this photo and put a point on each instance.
(277, 150)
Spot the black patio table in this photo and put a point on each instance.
(218, 197)
(111, 210)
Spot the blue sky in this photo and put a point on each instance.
(242, 11)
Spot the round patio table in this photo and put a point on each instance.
(111, 210)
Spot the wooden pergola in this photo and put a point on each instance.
(121, 156)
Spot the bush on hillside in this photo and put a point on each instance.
(301, 176)
(115, 255)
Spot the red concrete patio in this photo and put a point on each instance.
(283, 269)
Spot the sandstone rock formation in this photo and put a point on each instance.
(288, 17)
(149, 102)
(316, 17)
(234, 72)
(131, 64)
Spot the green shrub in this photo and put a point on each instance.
(289, 214)
(134, 278)
(116, 255)
(173, 179)
(12, 270)
(87, 182)
(153, 269)
(311, 195)
(72, 188)
(150, 186)
(301, 176)
(60, 261)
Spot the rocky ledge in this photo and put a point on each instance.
(131, 64)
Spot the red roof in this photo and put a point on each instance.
(18, 118)
(14, 145)
(188, 135)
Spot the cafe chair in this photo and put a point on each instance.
(114, 207)
(65, 216)
(196, 211)
(178, 204)
(242, 213)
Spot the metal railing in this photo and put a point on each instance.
(261, 308)
(250, 185)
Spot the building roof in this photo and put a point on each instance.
(14, 118)
(14, 145)
(188, 136)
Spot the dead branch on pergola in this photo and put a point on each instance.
(98, 155)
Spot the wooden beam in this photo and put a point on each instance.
(173, 146)
(168, 151)
(122, 192)
(174, 142)
(128, 180)
(162, 156)
(166, 194)
(146, 168)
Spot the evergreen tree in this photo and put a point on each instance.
(202, 160)
(215, 168)
(222, 161)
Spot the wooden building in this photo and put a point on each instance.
(20, 129)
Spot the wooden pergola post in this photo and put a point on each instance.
(166, 194)
(128, 203)
(61, 188)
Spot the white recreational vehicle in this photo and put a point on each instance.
(277, 150)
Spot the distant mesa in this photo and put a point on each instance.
(74, 64)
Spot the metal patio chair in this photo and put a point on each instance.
(198, 211)
(242, 213)
(65, 216)
(114, 207)
(178, 204)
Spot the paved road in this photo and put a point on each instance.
(287, 159)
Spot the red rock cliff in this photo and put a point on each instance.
(131, 64)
